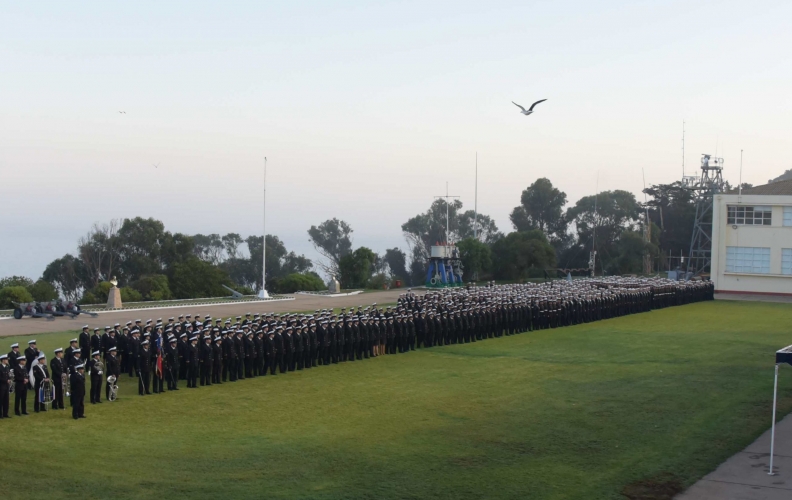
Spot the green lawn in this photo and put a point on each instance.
(579, 412)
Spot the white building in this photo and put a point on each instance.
(752, 240)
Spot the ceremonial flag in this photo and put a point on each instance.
(159, 355)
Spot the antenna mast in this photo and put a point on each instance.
(740, 186)
(475, 204)
(448, 221)
(593, 253)
(647, 230)
(263, 292)
(709, 184)
(683, 149)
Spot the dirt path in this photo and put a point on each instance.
(33, 326)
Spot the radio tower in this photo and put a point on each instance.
(709, 184)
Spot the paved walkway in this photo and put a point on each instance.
(744, 476)
(34, 326)
(754, 297)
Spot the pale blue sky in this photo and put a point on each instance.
(366, 109)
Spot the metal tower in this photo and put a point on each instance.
(707, 186)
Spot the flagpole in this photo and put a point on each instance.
(263, 292)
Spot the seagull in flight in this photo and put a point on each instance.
(122, 112)
(156, 166)
(528, 111)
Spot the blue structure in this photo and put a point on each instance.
(445, 267)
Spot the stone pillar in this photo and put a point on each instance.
(114, 298)
(334, 286)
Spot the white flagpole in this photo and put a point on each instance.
(263, 292)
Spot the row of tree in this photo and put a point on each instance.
(628, 236)
(152, 263)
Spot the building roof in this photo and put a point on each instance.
(774, 188)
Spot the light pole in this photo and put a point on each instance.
(263, 292)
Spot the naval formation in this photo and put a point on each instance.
(194, 352)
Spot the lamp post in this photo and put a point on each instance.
(263, 292)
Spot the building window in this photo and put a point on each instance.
(788, 216)
(786, 261)
(748, 260)
(750, 216)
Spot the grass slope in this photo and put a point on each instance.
(577, 412)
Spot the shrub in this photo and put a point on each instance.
(300, 282)
(153, 287)
(89, 298)
(102, 291)
(43, 291)
(16, 281)
(194, 278)
(14, 293)
(244, 290)
(377, 282)
(131, 295)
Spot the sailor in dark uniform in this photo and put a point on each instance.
(85, 342)
(13, 356)
(144, 368)
(77, 382)
(173, 360)
(217, 353)
(192, 363)
(20, 387)
(5, 385)
(31, 353)
(40, 375)
(96, 339)
(97, 375)
(112, 368)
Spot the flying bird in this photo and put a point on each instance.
(156, 166)
(528, 111)
(122, 112)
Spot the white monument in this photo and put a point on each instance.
(114, 295)
(334, 286)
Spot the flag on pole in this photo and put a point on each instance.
(159, 355)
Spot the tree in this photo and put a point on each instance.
(280, 263)
(16, 281)
(209, 248)
(98, 250)
(11, 294)
(231, 243)
(397, 263)
(541, 207)
(521, 255)
(486, 230)
(428, 229)
(175, 248)
(195, 278)
(140, 248)
(67, 275)
(153, 287)
(42, 291)
(672, 208)
(600, 220)
(631, 249)
(356, 268)
(332, 239)
(297, 282)
(476, 257)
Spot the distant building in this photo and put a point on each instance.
(752, 240)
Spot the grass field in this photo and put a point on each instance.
(649, 402)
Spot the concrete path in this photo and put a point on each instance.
(787, 299)
(744, 476)
(34, 326)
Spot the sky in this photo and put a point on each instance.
(365, 110)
